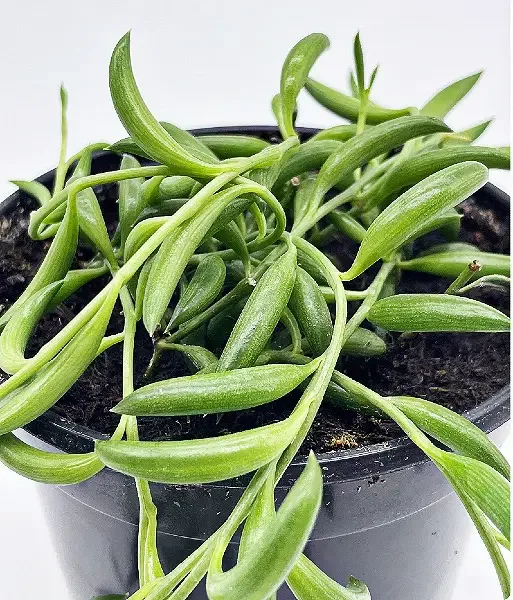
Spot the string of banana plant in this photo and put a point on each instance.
(192, 210)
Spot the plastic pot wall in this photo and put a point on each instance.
(388, 516)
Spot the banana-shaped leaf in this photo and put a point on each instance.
(33, 398)
(56, 262)
(445, 100)
(294, 74)
(215, 392)
(40, 192)
(417, 168)
(340, 133)
(200, 357)
(17, 332)
(488, 534)
(308, 582)
(363, 342)
(141, 233)
(452, 263)
(349, 107)
(368, 145)
(129, 198)
(484, 485)
(142, 126)
(233, 146)
(73, 281)
(453, 430)
(203, 460)
(174, 254)
(205, 285)
(414, 209)
(263, 569)
(47, 467)
(308, 157)
(436, 312)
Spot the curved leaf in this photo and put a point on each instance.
(294, 73)
(47, 467)
(452, 263)
(445, 100)
(203, 460)
(349, 107)
(414, 209)
(262, 570)
(436, 312)
(308, 582)
(206, 393)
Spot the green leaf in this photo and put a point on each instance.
(347, 225)
(192, 144)
(73, 281)
(453, 430)
(231, 236)
(414, 209)
(200, 357)
(294, 73)
(436, 312)
(34, 189)
(264, 568)
(448, 223)
(445, 100)
(177, 186)
(262, 513)
(488, 534)
(141, 233)
(359, 64)
(260, 314)
(90, 218)
(206, 393)
(349, 107)
(452, 263)
(371, 143)
(174, 254)
(233, 146)
(19, 328)
(475, 132)
(111, 597)
(56, 262)
(339, 133)
(142, 126)
(47, 467)
(129, 198)
(363, 342)
(484, 485)
(309, 157)
(308, 582)
(416, 168)
(311, 311)
(202, 290)
(37, 395)
(202, 460)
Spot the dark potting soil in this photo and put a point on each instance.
(458, 371)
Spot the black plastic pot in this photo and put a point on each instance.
(388, 516)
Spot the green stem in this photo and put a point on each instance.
(61, 170)
(464, 277)
(148, 560)
(315, 390)
(370, 299)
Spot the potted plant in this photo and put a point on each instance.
(239, 272)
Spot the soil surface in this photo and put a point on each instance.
(458, 371)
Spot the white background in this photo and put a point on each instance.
(213, 63)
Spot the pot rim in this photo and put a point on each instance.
(339, 464)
